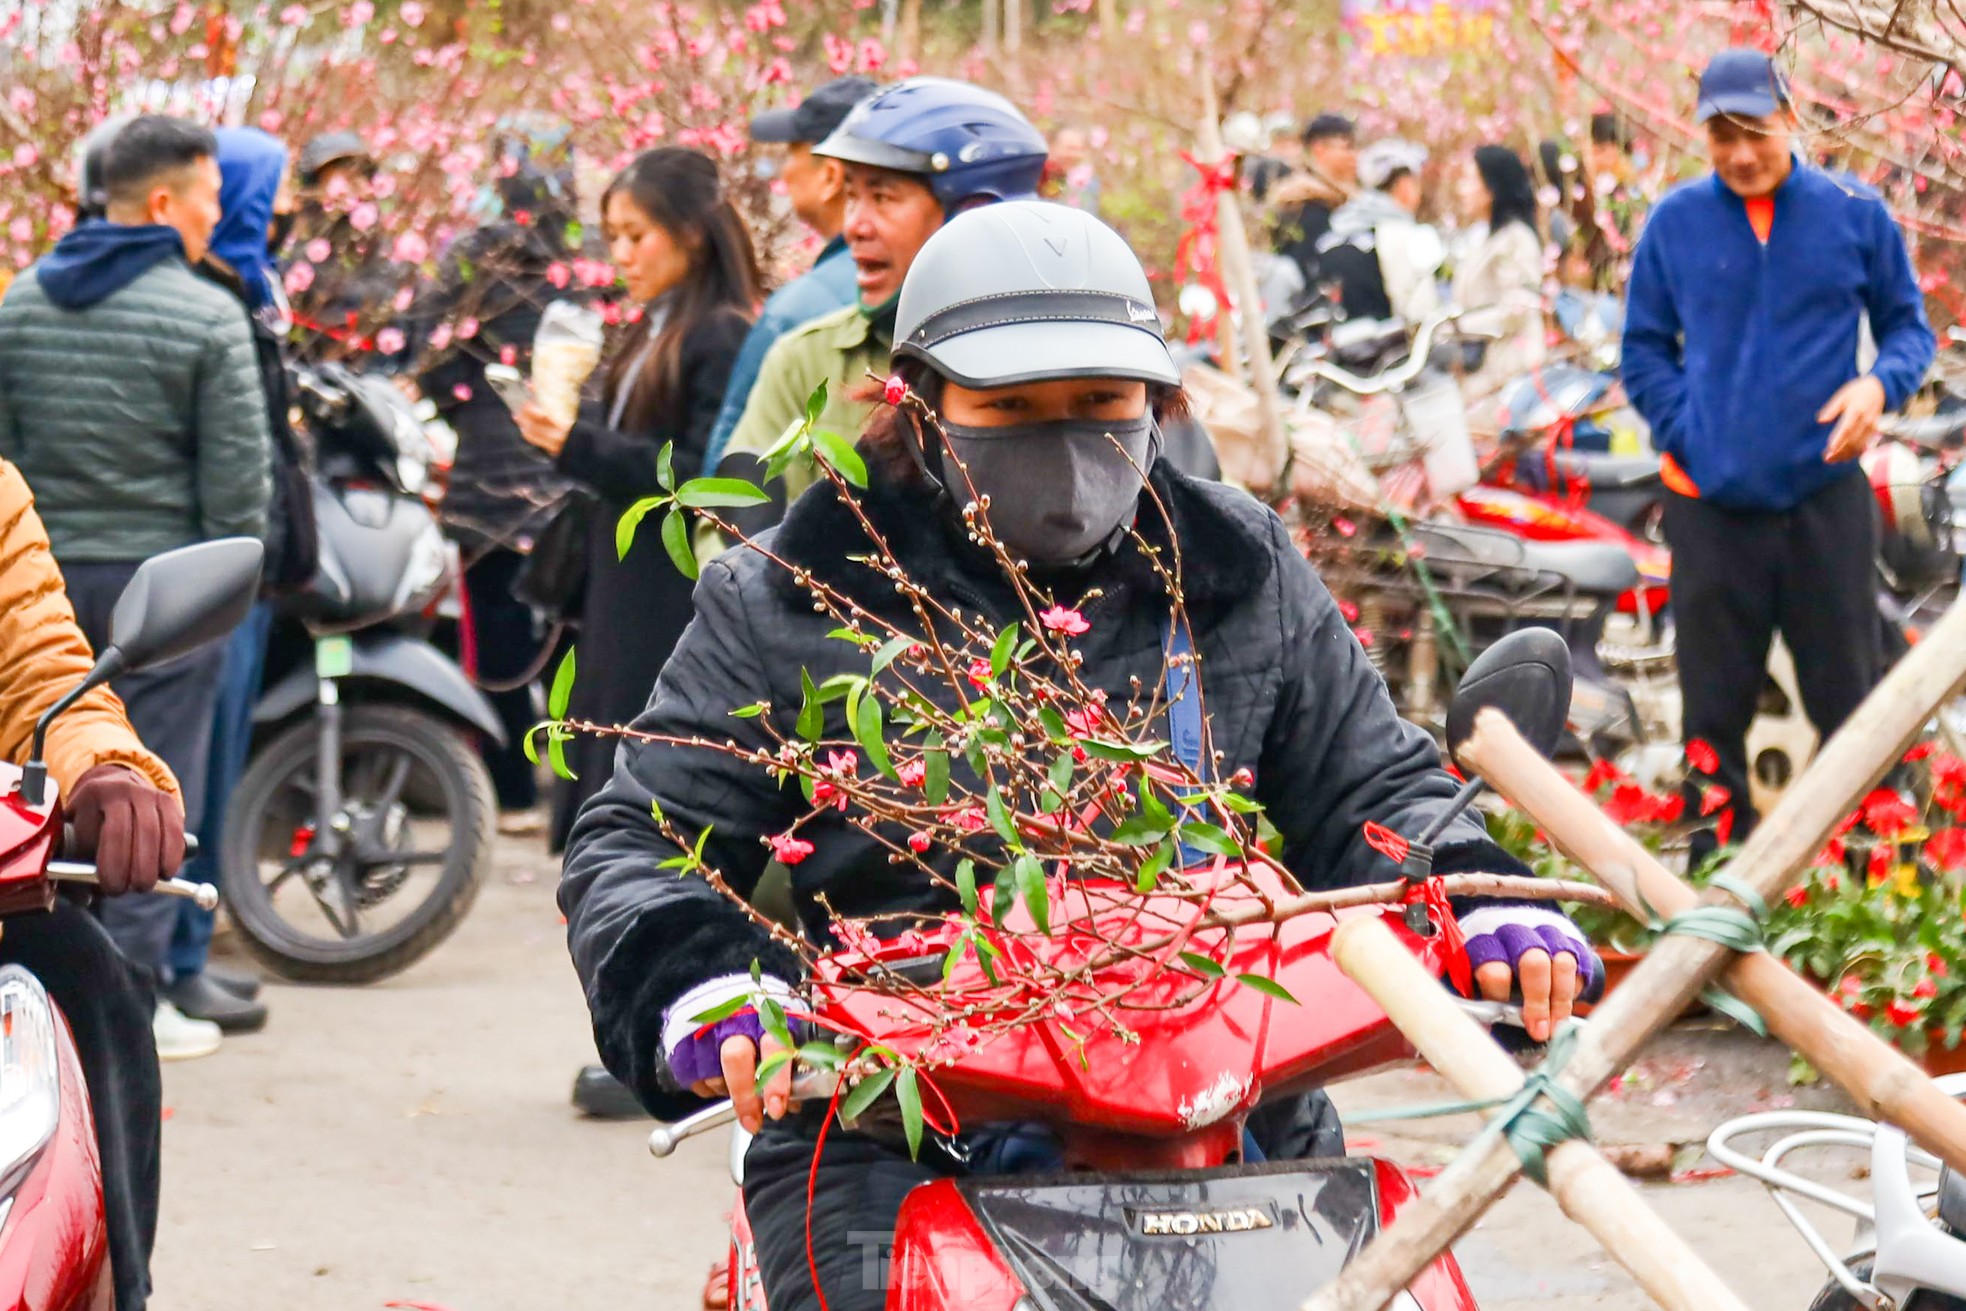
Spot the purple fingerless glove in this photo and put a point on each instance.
(1506, 933)
(692, 1047)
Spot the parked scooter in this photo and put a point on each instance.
(365, 821)
(54, 1239)
(1158, 1207)
(1909, 1252)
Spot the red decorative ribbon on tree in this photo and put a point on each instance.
(1197, 257)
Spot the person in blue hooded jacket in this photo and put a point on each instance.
(252, 169)
(131, 400)
(1745, 350)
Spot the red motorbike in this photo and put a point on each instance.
(1157, 1206)
(54, 1243)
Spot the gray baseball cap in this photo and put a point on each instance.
(1027, 291)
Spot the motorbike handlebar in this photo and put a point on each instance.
(818, 1085)
(807, 1086)
(77, 871)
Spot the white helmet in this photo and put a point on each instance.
(1026, 291)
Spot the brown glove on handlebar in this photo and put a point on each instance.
(133, 829)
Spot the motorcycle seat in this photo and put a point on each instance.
(1593, 568)
(1610, 472)
(1596, 567)
(1367, 345)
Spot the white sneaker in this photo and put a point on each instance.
(181, 1038)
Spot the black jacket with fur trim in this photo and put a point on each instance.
(1289, 692)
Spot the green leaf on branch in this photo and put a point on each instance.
(867, 727)
(675, 540)
(838, 452)
(722, 1011)
(910, 1098)
(1153, 867)
(822, 1055)
(1054, 724)
(1031, 886)
(935, 769)
(1202, 965)
(1207, 837)
(816, 403)
(1003, 895)
(999, 817)
(665, 467)
(954, 957)
(631, 519)
(1151, 806)
(772, 1016)
(530, 744)
(1001, 653)
(986, 958)
(1268, 986)
(854, 636)
(719, 493)
(1060, 774)
(892, 648)
(966, 884)
(1122, 751)
(812, 711)
(556, 752)
(751, 711)
(561, 696)
(866, 1093)
(1141, 831)
(771, 1065)
(1242, 805)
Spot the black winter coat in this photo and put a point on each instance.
(1289, 691)
(634, 609)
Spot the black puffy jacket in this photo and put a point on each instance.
(1289, 692)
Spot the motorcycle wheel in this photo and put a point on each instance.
(413, 787)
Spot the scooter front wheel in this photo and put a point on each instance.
(410, 843)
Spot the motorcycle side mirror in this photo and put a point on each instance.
(174, 603)
(1527, 677)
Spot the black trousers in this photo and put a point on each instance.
(857, 1193)
(108, 1002)
(1738, 578)
(506, 640)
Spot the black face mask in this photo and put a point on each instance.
(1058, 491)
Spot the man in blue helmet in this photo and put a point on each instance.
(916, 154)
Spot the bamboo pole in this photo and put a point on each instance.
(1013, 26)
(1588, 1188)
(1879, 1078)
(1679, 966)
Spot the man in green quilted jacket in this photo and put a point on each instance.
(130, 398)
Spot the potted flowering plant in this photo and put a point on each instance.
(1879, 921)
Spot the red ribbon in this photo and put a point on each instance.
(1433, 894)
(1195, 257)
(1387, 843)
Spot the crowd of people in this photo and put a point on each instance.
(144, 401)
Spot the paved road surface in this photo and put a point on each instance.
(410, 1142)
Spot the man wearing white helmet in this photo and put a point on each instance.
(1384, 260)
(1029, 328)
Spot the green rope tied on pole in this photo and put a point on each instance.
(1530, 1130)
(1736, 930)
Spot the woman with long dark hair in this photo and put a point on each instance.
(1503, 272)
(692, 278)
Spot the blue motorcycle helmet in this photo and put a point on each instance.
(964, 142)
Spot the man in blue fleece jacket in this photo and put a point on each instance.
(1749, 296)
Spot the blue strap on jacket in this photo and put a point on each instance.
(1184, 716)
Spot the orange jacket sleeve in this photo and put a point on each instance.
(43, 654)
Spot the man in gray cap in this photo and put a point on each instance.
(1744, 349)
(816, 186)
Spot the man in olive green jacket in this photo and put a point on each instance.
(916, 153)
(130, 398)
